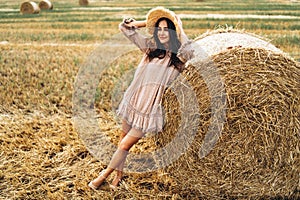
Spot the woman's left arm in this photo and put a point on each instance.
(183, 36)
(185, 52)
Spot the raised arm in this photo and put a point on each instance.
(132, 23)
(128, 27)
(185, 52)
(183, 36)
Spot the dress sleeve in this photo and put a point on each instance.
(186, 51)
(141, 41)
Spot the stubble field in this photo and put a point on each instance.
(42, 155)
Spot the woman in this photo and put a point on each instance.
(140, 108)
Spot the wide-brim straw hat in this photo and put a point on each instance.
(159, 12)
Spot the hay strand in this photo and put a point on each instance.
(46, 5)
(29, 7)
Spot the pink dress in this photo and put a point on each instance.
(141, 104)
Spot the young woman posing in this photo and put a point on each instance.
(140, 108)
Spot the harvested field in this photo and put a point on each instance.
(43, 155)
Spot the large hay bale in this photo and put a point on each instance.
(46, 5)
(83, 2)
(257, 154)
(29, 7)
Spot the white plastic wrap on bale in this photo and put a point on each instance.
(46, 5)
(29, 7)
(219, 42)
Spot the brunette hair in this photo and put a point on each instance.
(174, 45)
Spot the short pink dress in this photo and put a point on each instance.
(141, 104)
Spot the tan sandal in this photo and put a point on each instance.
(91, 184)
(113, 187)
(115, 183)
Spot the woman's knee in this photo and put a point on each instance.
(125, 127)
(124, 146)
(128, 141)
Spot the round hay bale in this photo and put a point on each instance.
(83, 2)
(257, 154)
(29, 7)
(45, 5)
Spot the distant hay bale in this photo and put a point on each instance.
(45, 5)
(83, 2)
(29, 7)
(257, 153)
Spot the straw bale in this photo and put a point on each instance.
(257, 153)
(46, 5)
(29, 7)
(83, 2)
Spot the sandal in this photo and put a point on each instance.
(115, 183)
(91, 184)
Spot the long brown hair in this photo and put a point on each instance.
(174, 45)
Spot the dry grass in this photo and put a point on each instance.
(42, 156)
(38, 78)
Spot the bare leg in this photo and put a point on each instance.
(127, 142)
(125, 129)
(119, 170)
(119, 156)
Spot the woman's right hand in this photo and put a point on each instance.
(128, 22)
(132, 23)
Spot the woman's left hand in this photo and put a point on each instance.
(178, 20)
(186, 52)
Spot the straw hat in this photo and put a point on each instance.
(159, 12)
